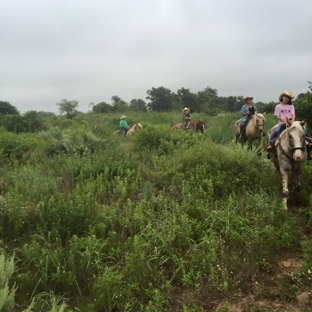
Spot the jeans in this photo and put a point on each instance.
(275, 133)
(242, 126)
(123, 131)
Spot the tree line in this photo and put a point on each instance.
(162, 99)
(159, 99)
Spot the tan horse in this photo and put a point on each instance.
(135, 127)
(178, 126)
(254, 130)
(198, 125)
(289, 155)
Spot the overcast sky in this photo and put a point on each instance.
(91, 50)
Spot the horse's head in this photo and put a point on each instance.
(259, 121)
(295, 135)
(138, 126)
(201, 126)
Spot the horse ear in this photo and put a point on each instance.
(264, 113)
(302, 123)
(288, 122)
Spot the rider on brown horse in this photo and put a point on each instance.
(186, 117)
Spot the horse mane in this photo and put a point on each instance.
(295, 124)
(260, 115)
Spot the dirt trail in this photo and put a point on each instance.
(287, 288)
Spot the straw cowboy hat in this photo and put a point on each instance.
(286, 92)
(123, 117)
(186, 109)
(248, 97)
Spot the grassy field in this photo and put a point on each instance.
(161, 221)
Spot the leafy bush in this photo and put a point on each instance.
(20, 146)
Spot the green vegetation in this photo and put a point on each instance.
(161, 221)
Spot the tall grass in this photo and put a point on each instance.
(109, 223)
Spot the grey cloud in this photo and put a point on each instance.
(92, 50)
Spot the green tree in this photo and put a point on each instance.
(304, 106)
(234, 103)
(188, 99)
(8, 109)
(161, 99)
(14, 123)
(68, 107)
(138, 105)
(33, 121)
(207, 100)
(102, 108)
(46, 114)
(268, 108)
(119, 105)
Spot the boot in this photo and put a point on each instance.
(270, 145)
(241, 136)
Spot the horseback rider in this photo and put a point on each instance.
(286, 110)
(186, 117)
(247, 111)
(123, 125)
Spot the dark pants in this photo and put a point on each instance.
(242, 128)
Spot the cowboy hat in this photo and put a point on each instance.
(185, 109)
(123, 117)
(248, 97)
(286, 92)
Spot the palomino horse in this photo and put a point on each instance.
(198, 125)
(289, 155)
(180, 126)
(254, 130)
(132, 130)
(135, 127)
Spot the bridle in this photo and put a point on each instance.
(286, 132)
(258, 127)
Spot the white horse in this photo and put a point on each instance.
(289, 155)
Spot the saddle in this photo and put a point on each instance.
(283, 127)
(247, 121)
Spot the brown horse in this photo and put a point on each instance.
(254, 130)
(289, 155)
(198, 125)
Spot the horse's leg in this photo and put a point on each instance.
(285, 191)
(275, 161)
(297, 174)
(236, 135)
(250, 143)
(260, 145)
